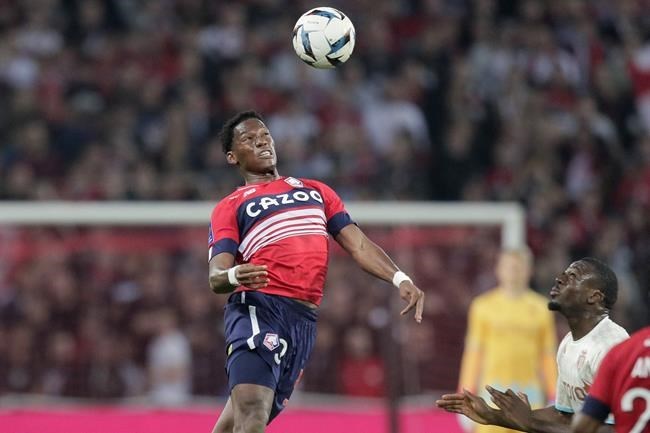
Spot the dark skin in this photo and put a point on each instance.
(574, 295)
(584, 423)
(253, 151)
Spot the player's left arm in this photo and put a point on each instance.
(515, 407)
(374, 260)
(598, 402)
(583, 423)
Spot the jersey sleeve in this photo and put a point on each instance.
(335, 212)
(562, 399)
(474, 341)
(223, 236)
(598, 402)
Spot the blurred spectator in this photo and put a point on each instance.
(169, 361)
(362, 369)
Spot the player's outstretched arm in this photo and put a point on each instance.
(515, 408)
(583, 423)
(374, 260)
(468, 404)
(224, 276)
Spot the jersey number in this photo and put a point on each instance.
(626, 405)
(284, 345)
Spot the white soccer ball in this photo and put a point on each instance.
(323, 37)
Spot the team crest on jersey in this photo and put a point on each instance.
(294, 182)
(271, 341)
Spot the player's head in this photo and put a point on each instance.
(247, 142)
(514, 268)
(587, 284)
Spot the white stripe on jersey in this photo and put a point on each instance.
(288, 235)
(291, 218)
(283, 228)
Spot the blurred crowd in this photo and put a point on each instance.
(542, 102)
(108, 313)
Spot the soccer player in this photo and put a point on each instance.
(515, 348)
(622, 387)
(584, 293)
(268, 243)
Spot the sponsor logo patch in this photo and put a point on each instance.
(271, 341)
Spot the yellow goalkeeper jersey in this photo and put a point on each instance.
(511, 343)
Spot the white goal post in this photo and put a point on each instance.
(509, 216)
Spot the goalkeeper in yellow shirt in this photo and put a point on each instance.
(511, 340)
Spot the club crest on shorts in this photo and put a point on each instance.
(271, 341)
(294, 182)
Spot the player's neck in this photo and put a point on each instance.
(255, 178)
(582, 325)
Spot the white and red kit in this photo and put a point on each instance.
(284, 224)
(622, 385)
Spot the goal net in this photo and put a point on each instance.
(95, 298)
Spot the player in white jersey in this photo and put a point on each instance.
(584, 293)
(578, 361)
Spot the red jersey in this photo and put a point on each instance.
(622, 385)
(284, 224)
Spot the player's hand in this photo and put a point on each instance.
(252, 276)
(414, 297)
(514, 406)
(468, 404)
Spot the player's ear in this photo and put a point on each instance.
(596, 297)
(231, 158)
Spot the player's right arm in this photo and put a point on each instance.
(599, 400)
(546, 420)
(224, 275)
(248, 274)
(583, 423)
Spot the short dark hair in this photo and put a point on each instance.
(605, 279)
(228, 129)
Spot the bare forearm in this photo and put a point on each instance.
(497, 418)
(546, 420)
(550, 420)
(546, 427)
(583, 423)
(219, 281)
(374, 260)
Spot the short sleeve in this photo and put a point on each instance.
(335, 212)
(562, 399)
(223, 236)
(601, 388)
(598, 402)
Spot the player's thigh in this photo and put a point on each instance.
(250, 401)
(226, 421)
